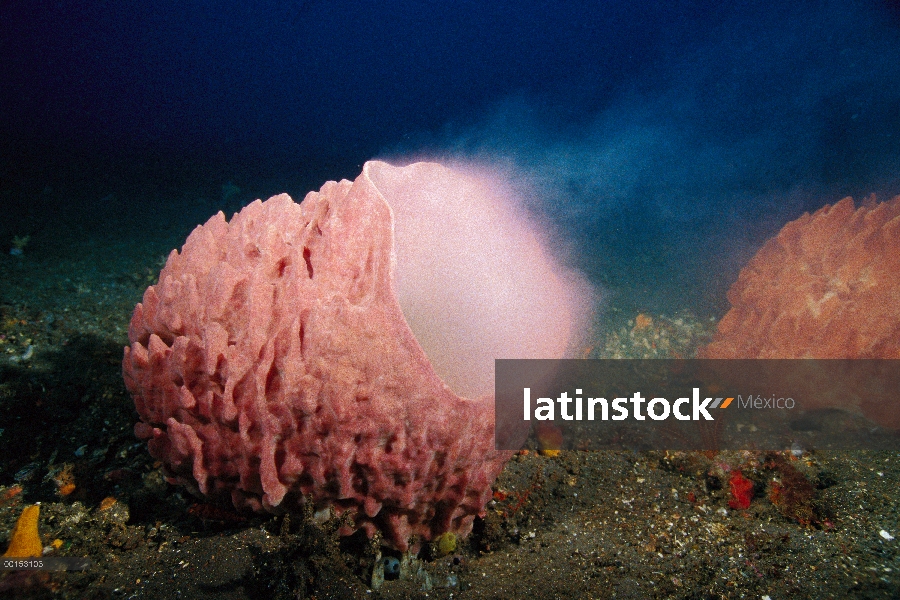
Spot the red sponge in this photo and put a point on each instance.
(273, 363)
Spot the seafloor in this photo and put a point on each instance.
(606, 524)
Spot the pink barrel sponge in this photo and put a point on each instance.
(281, 359)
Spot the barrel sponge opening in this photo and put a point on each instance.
(473, 274)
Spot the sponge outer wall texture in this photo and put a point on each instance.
(272, 365)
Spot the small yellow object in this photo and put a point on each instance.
(19, 242)
(57, 543)
(107, 503)
(642, 321)
(445, 544)
(549, 452)
(25, 542)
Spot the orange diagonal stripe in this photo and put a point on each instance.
(726, 403)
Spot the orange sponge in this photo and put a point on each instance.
(25, 542)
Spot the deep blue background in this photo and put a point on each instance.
(307, 81)
(653, 132)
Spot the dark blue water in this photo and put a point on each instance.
(666, 140)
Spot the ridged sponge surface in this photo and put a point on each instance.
(273, 363)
